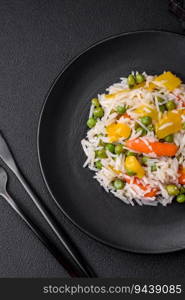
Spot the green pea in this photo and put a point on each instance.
(140, 78)
(146, 120)
(150, 127)
(98, 112)
(130, 153)
(95, 102)
(141, 130)
(121, 109)
(153, 168)
(101, 153)
(101, 143)
(110, 147)
(169, 138)
(172, 190)
(159, 99)
(180, 198)
(170, 105)
(118, 149)
(144, 160)
(182, 189)
(98, 164)
(131, 80)
(118, 184)
(183, 126)
(162, 108)
(130, 173)
(91, 122)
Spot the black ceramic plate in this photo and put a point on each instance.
(63, 125)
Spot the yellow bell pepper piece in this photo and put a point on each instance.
(151, 86)
(109, 96)
(133, 165)
(118, 172)
(118, 130)
(145, 110)
(168, 80)
(170, 123)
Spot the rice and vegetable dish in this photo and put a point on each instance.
(136, 139)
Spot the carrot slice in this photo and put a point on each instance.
(160, 149)
(151, 193)
(182, 175)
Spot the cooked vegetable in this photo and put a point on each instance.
(130, 153)
(168, 80)
(98, 112)
(169, 138)
(172, 190)
(121, 109)
(160, 99)
(133, 165)
(118, 184)
(95, 102)
(141, 130)
(91, 122)
(131, 80)
(170, 105)
(182, 190)
(180, 198)
(144, 160)
(140, 78)
(116, 131)
(110, 147)
(119, 149)
(162, 108)
(151, 193)
(150, 127)
(98, 164)
(170, 123)
(147, 110)
(181, 174)
(147, 120)
(130, 173)
(101, 153)
(160, 149)
(154, 168)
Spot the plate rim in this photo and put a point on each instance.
(59, 75)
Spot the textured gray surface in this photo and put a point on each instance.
(37, 38)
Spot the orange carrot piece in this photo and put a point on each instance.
(181, 178)
(160, 149)
(151, 193)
